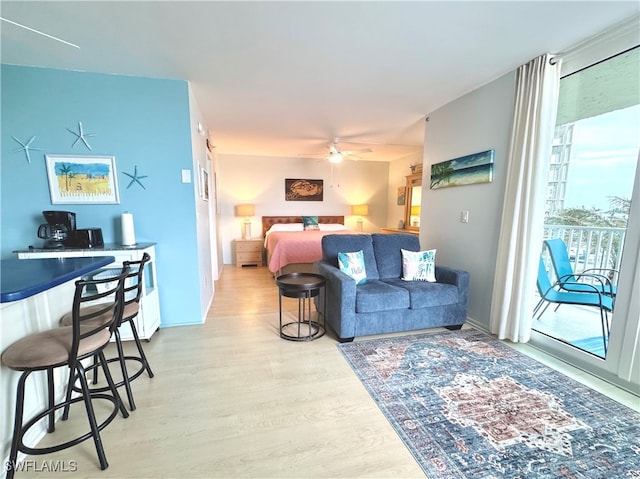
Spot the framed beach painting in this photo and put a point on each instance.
(82, 179)
(466, 170)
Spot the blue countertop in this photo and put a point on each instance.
(106, 247)
(22, 278)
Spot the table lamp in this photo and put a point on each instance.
(415, 215)
(246, 210)
(360, 210)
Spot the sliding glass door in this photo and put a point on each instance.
(589, 199)
(590, 184)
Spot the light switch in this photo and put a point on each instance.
(464, 216)
(186, 176)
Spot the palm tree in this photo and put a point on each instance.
(441, 173)
(65, 170)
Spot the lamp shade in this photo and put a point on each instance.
(360, 210)
(245, 210)
(415, 210)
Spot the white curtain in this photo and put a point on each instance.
(521, 233)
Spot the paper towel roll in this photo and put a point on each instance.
(128, 232)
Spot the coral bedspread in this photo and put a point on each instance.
(288, 247)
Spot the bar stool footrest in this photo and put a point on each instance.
(59, 447)
(119, 383)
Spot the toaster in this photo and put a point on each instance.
(88, 238)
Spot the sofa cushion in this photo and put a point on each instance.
(352, 264)
(332, 244)
(386, 248)
(375, 296)
(423, 294)
(419, 265)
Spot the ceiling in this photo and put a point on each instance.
(285, 78)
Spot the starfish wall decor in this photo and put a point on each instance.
(81, 136)
(26, 147)
(135, 178)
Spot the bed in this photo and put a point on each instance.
(289, 248)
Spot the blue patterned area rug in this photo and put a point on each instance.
(468, 406)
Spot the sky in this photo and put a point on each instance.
(604, 157)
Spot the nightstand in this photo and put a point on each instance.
(248, 252)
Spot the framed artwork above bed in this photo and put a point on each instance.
(303, 190)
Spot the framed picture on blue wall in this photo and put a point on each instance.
(82, 179)
(204, 183)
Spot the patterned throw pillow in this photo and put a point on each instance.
(310, 222)
(352, 264)
(419, 265)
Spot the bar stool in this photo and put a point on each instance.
(67, 347)
(132, 293)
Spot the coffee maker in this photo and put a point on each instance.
(58, 230)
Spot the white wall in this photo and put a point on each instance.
(206, 247)
(214, 208)
(260, 180)
(478, 121)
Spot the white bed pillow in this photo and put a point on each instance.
(331, 227)
(285, 227)
(282, 227)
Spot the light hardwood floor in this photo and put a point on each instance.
(230, 399)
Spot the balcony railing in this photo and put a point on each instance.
(590, 247)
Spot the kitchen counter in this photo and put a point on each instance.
(106, 247)
(35, 294)
(148, 319)
(22, 279)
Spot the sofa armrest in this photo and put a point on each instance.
(341, 299)
(457, 277)
(340, 286)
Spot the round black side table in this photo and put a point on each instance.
(304, 287)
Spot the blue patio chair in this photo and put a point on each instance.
(570, 281)
(554, 293)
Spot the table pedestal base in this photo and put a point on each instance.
(304, 287)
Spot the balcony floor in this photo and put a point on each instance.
(576, 325)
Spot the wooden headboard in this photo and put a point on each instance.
(268, 221)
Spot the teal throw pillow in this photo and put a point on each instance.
(352, 264)
(310, 222)
(419, 265)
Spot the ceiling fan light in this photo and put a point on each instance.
(335, 158)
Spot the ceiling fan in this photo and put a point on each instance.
(338, 155)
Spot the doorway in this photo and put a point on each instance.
(590, 189)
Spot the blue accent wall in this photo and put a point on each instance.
(143, 122)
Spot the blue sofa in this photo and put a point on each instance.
(385, 303)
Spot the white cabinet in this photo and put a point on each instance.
(148, 319)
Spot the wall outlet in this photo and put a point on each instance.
(464, 216)
(186, 176)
